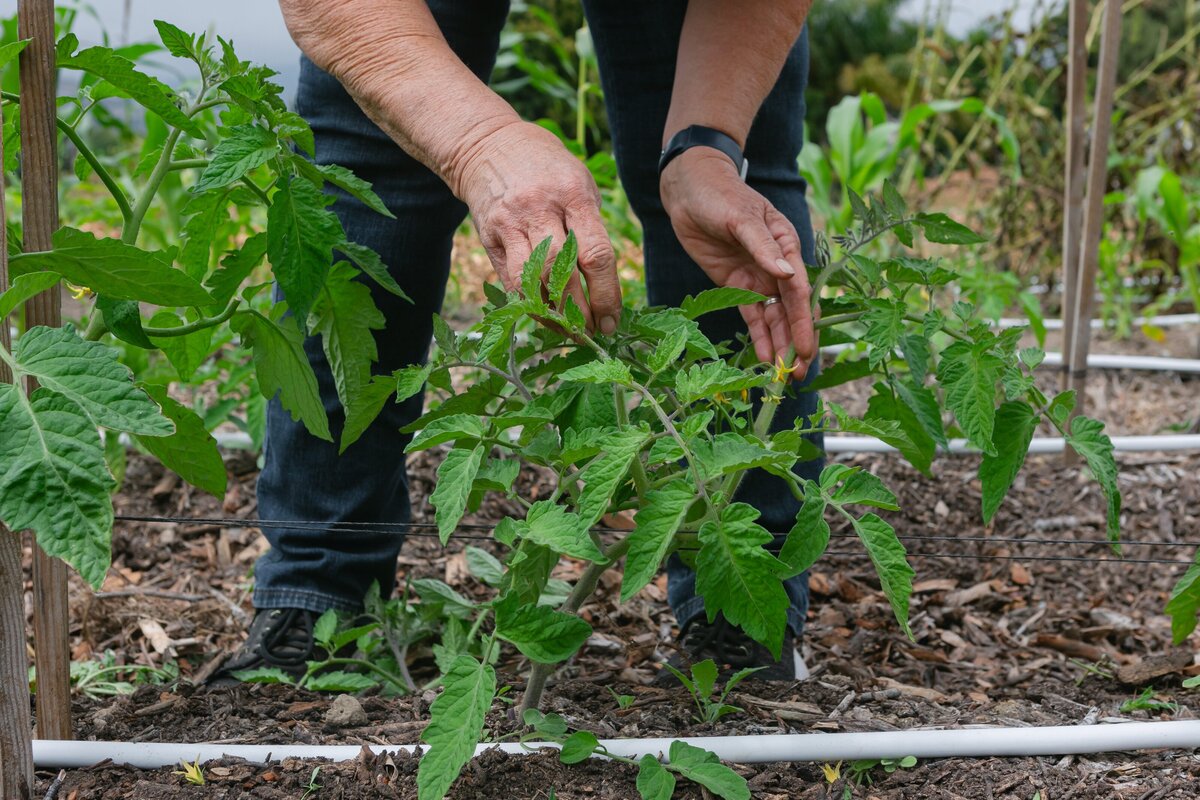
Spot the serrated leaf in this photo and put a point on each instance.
(608, 371)
(531, 274)
(809, 537)
(325, 626)
(150, 93)
(432, 591)
(940, 229)
(564, 265)
(655, 523)
(301, 235)
(539, 632)
(704, 768)
(738, 578)
(1087, 438)
(654, 781)
(267, 675)
(115, 269)
(917, 446)
(283, 368)
(345, 180)
(668, 351)
(923, 404)
(339, 681)
(717, 300)
(706, 380)
(447, 429)
(90, 376)
(484, 566)
(1184, 604)
(969, 373)
(1015, 424)
(553, 526)
(604, 474)
(369, 262)
(54, 479)
(240, 150)
(178, 43)
(204, 213)
(186, 353)
(10, 50)
(235, 267)
(891, 565)
(454, 478)
(727, 453)
(578, 747)
(367, 405)
(191, 451)
(455, 725)
(410, 380)
(884, 320)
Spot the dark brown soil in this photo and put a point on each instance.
(1000, 638)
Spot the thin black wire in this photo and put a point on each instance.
(407, 529)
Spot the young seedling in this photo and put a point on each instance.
(1146, 701)
(702, 687)
(624, 701)
(313, 787)
(860, 771)
(191, 772)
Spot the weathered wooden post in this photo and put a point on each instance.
(1076, 125)
(39, 206)
(16, 757)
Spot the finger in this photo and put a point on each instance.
(776, 320)
(598, 264)
(796, 299)
(575, 292)
(756, 237)
(539, 231)
(760, 333)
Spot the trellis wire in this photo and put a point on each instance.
(425, 530)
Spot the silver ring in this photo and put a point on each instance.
(770, 301)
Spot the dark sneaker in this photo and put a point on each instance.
(279, 637)
(732, 650)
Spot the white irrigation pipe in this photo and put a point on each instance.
(1188, 366)
(1164, 321)
(831, 747)
(1047, 445)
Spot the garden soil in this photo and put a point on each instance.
(1000, 638)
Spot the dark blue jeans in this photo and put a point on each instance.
(304, 478)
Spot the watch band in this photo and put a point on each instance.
(701, 136)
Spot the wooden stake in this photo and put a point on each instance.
(39, 190)
(1093, 220)
(1077, 70)
(16, 752)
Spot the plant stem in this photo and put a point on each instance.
(580, 593)
(356, 662)
(639, 472)
(198, 325)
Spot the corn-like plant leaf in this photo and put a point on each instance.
(1087, 438)
(1015, 424)
(737, 577)
(655, 524)
(455, 475)
(455, 724)
(283, 369)
(539, 632)
(301, 235)
(191, 451)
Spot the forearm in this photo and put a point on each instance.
(393, 60)
(730, 55)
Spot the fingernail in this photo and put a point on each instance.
(607, 325)
(784, 266)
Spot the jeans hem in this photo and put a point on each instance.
(316, 602)
(692, 608)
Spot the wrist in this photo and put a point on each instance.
(468, 166)
(706, 137)
(697, 169)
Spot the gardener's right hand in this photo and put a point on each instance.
(522, 185)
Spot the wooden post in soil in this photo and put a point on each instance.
(16, 754)
(1093, 219)
(1076, 115)
(39, 206)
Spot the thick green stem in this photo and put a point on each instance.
(762, 424)
(639, 472)
(198, 325)
(579, 594)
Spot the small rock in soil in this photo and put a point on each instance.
(346, 712)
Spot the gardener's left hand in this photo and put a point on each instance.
(739, 239)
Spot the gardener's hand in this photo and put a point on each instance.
(741, 240)
(522, 185)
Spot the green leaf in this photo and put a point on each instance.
(969, 374)
(917, 446)
(301, 235)
(455, 725)
(205, 212)
(235, 267)
(345, 180)
(447, 429)
(885, 328)
(55, 480)
(240, 150)
(410, 380)
(1184, 604)
(346, 318)
(940, 229)
(578, 747)
(432, 591)
(531, 274)
(325, 626)
(609, 371)
(842, 372)
(454, 478)
(705, 769)
(1015, 424)
(369, 262)
(115, 269)
(267, 675)
(717, 300)
(186, 353)
(552, 526)
(564, 265)
(1087, 438)
(89, 375)
(706, 380)
(809, 537)
(10, 50)
(654, 781)
(891, 564)
(367, 405)
(740, 579)
(484, 566)
(151, 93)
(24, 288)
(604, 474)
(655, 523)
(283, 368)
(727, 453)
(539, 632)
(178, 43)
(668, 351)
(191, 451)
(123, 318)
(339, 681)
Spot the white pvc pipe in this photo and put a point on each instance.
(831, 747)
(1047, 445)
(1164, 321)
(1113, 361)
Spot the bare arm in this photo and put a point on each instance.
(520, 183)
(730, 56)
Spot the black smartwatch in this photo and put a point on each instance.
(701, 136)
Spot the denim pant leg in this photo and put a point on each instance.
(637, 45)
(304, 478)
